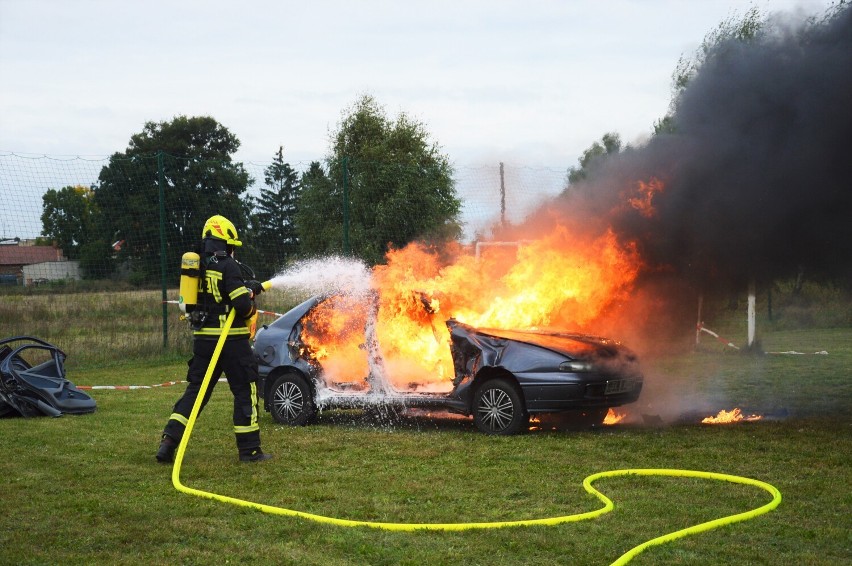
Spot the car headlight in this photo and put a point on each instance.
(576, 366)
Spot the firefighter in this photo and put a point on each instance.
(221, 287)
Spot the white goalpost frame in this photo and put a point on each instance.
(751, 311)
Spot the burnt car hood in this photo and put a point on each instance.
(534, 351)
(573, 345)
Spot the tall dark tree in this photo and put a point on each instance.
(399, 186)
(189, 159)
(319, 220)
(274, 220)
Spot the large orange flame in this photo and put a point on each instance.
(562, 280)
(334, 334)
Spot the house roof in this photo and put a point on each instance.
(26, 255)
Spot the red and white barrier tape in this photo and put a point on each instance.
(820, 353)
(727, 342)
(129, 387)
(166, 384)
(724, 341)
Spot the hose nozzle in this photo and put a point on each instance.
(267, 285)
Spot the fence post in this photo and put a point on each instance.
(161, 185)
(752, 315)
(346, 250)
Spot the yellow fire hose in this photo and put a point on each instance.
(587, 484)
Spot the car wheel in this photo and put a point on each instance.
(499, 409)
(290, 400)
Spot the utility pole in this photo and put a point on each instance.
(502, 197)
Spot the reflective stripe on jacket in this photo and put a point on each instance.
(224, 290)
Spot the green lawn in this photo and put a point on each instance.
(87, 489)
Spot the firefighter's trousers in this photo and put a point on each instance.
(240, 367)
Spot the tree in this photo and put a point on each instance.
(67, 217)
(319, 221)
(610, 144)
(399, 187)
(191, 157)
(274, 222)
(664, 125)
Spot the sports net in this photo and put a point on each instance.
(90, 248)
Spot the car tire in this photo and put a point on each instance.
(499, 409)
(291, 401)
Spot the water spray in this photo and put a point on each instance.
(326, 276)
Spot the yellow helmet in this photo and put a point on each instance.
(221, 228)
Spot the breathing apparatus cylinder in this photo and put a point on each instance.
(190, 269)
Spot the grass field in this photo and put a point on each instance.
(87, 490)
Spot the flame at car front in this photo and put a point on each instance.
(614, 417)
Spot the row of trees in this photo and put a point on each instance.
(382, 184)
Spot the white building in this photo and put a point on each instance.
(44, 271)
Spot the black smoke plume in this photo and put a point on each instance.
(757, 179)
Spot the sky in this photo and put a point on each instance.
(530, 83)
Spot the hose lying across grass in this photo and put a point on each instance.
(587, 484)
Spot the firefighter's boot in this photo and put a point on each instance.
(166, 453)
(254, 455)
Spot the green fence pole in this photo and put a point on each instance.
(346, 250)
(161, 183)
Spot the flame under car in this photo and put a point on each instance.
(500, 377)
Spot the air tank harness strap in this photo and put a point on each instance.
(217, 309)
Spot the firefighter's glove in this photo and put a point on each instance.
(251, 324)
(255, 286)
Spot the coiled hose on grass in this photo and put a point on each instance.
(587, 484)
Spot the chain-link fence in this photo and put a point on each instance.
(90, 248)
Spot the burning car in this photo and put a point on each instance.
(332, 352)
